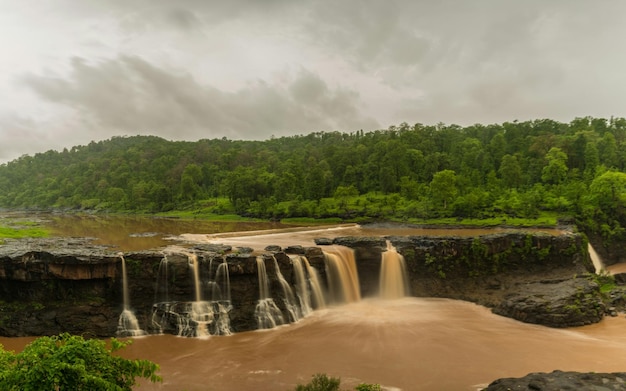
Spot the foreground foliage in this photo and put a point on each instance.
(322, 382)
(67, 362)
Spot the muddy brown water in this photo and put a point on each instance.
(402, 344)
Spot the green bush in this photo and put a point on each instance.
(368, 387)
(70, 363)
(321, 382)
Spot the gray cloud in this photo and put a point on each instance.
(250, 69)
(130, 95)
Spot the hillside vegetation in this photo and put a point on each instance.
(407, 172)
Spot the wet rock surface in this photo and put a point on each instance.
(560, 381)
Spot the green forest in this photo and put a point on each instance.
(412, 173)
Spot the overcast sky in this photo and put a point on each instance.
(75, 71)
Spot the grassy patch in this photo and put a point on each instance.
(541, 221)
(22, 232)
(312, 221)
(204, 215)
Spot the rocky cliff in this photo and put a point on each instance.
(53, 285)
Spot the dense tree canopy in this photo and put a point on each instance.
(406, 171)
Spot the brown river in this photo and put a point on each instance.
(403, 344)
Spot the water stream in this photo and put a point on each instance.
(127, 325)
(267, 313)
(343, 279)
(394, 282)
(595, 259)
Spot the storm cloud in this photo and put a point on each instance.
(73, 72)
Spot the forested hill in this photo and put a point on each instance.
(511, 169)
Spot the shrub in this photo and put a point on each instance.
(320, 382)
(67, 362)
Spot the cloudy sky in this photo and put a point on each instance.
(75, 71)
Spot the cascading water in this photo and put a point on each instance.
(308, 287)
(394, 281)
(289, 299)
(220, 296)
(207, 314)
(200, 313)
(343, 279)
(161, 292)
(127, 325)
(595, 259)
(268, 315)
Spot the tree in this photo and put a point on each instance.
(69, 363)
(510, 172)
(609, 192)
(555, 171)
(443, 187)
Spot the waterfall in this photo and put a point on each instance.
(393, 277)
(595, 258)
(221, 287)
(308, 287)
(289, 299)
(161, 291)
(195, 268)
(268, 315)
(343, 279)
(207, 313)
(127, 324)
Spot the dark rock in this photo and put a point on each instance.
(560, 381)
(359, 241)
(273, 248)
(211, 247)
(568, 303)
(323, 241)
(297, 249)
(620, 278)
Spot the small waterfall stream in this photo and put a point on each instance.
(127, 325)
(595, 258)
(394, 281)
(308, 287)
(289, 298)
(267, 313)
(343, 279)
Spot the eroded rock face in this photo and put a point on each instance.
(567, 303)
(559, 380)
(52, 285)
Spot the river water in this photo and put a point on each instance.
(403, 344)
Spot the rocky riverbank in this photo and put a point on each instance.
(559, 381)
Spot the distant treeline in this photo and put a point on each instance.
(407, 171)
